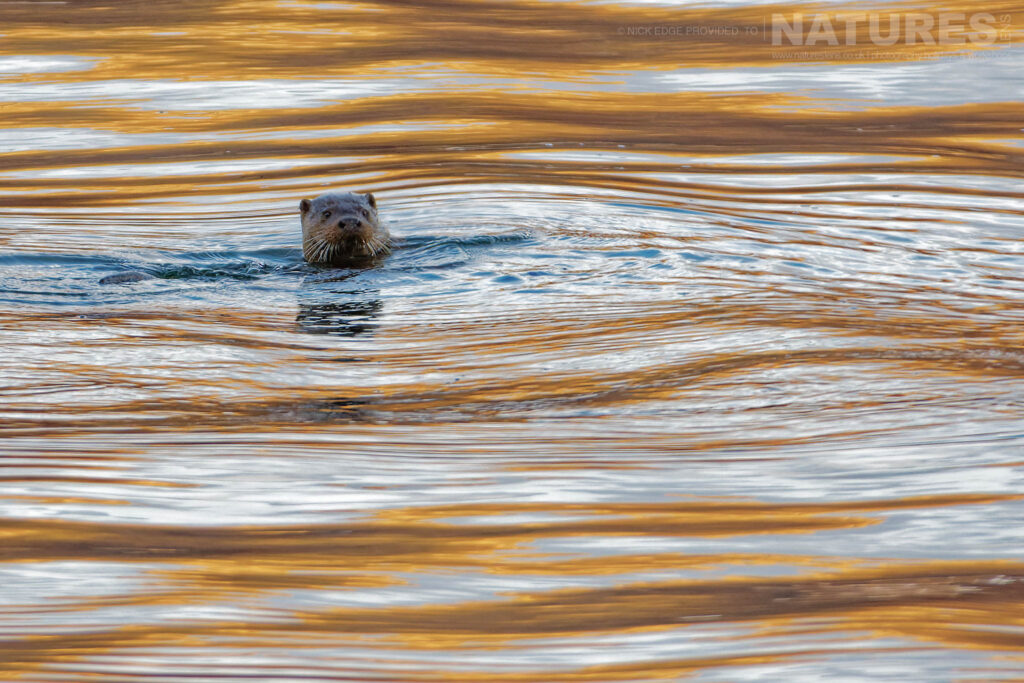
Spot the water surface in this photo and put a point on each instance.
(693, 359)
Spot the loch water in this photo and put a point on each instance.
(696, 358)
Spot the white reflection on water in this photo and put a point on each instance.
(16, 66)
(846, 86)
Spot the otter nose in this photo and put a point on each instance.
(347, 224)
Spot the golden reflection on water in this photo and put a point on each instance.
(554, 40)
(136, 140)
(954, 140)
(470, 368)
(943, 602)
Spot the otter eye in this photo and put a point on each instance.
(326, 214)
(366, 214)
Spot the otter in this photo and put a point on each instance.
(340, 227)
(127, 276)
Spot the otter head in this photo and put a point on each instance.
(341, 226)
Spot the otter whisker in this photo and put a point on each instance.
(326, 252)
(320, 250)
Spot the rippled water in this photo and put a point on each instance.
(692, 360)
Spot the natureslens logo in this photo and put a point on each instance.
(874, 28)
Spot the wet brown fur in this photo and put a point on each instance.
(341, 227)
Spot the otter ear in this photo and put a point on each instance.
(370, 198)
(305, 206)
